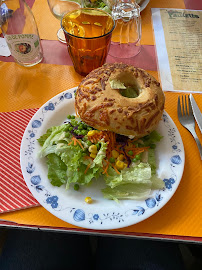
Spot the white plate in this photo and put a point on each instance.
(69, 205)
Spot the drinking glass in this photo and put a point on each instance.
(88, 34)
(59, 8)
(126, 36)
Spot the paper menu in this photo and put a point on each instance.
(178, 36)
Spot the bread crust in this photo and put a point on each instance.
(105, 108)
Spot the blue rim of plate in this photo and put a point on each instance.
(89, 216)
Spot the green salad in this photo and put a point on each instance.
(104, 5)
(77, 154)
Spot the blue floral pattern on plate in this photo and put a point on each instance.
(102, 214)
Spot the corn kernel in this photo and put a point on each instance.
(120, 157)
(92, 132)
(93, 155)
(119, 164)
(92, 149)
(115, 154)
(88, 200)
(125, 165)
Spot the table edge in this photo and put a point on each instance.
(145, 236)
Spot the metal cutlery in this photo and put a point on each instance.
(186, 118)
(196, 111)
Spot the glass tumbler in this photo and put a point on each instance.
(88, 34)
(126, 36)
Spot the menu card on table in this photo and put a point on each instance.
(178, 36)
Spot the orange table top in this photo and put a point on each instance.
(23, 88)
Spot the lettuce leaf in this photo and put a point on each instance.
(157, 183)
(82, 177)
(152, 161)
(54, 135)
(56, 170)
(69, 158)
(98, 4)
(127, 191)
(75, 160)
(43, 138)
(136, 174)
(100, 155)
(152, 138)
(135, 182)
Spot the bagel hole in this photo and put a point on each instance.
(128, 80)
(131, 91)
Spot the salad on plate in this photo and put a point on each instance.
(106, 5)
(78, 154)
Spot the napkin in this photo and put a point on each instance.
(14, 193)
(4, 50)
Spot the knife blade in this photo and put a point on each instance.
(196, 111)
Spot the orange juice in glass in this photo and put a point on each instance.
(88, 35)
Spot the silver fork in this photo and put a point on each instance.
(186, 118)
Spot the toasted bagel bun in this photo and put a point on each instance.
(101, 105)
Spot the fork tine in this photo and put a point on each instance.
(187, 111)
(179, 109)
(183, 110)
(190, 107)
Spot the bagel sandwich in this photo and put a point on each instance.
(120, 98)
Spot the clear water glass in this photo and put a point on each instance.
(60, 7)
(126, 37)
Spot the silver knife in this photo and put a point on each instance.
(196, 111)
